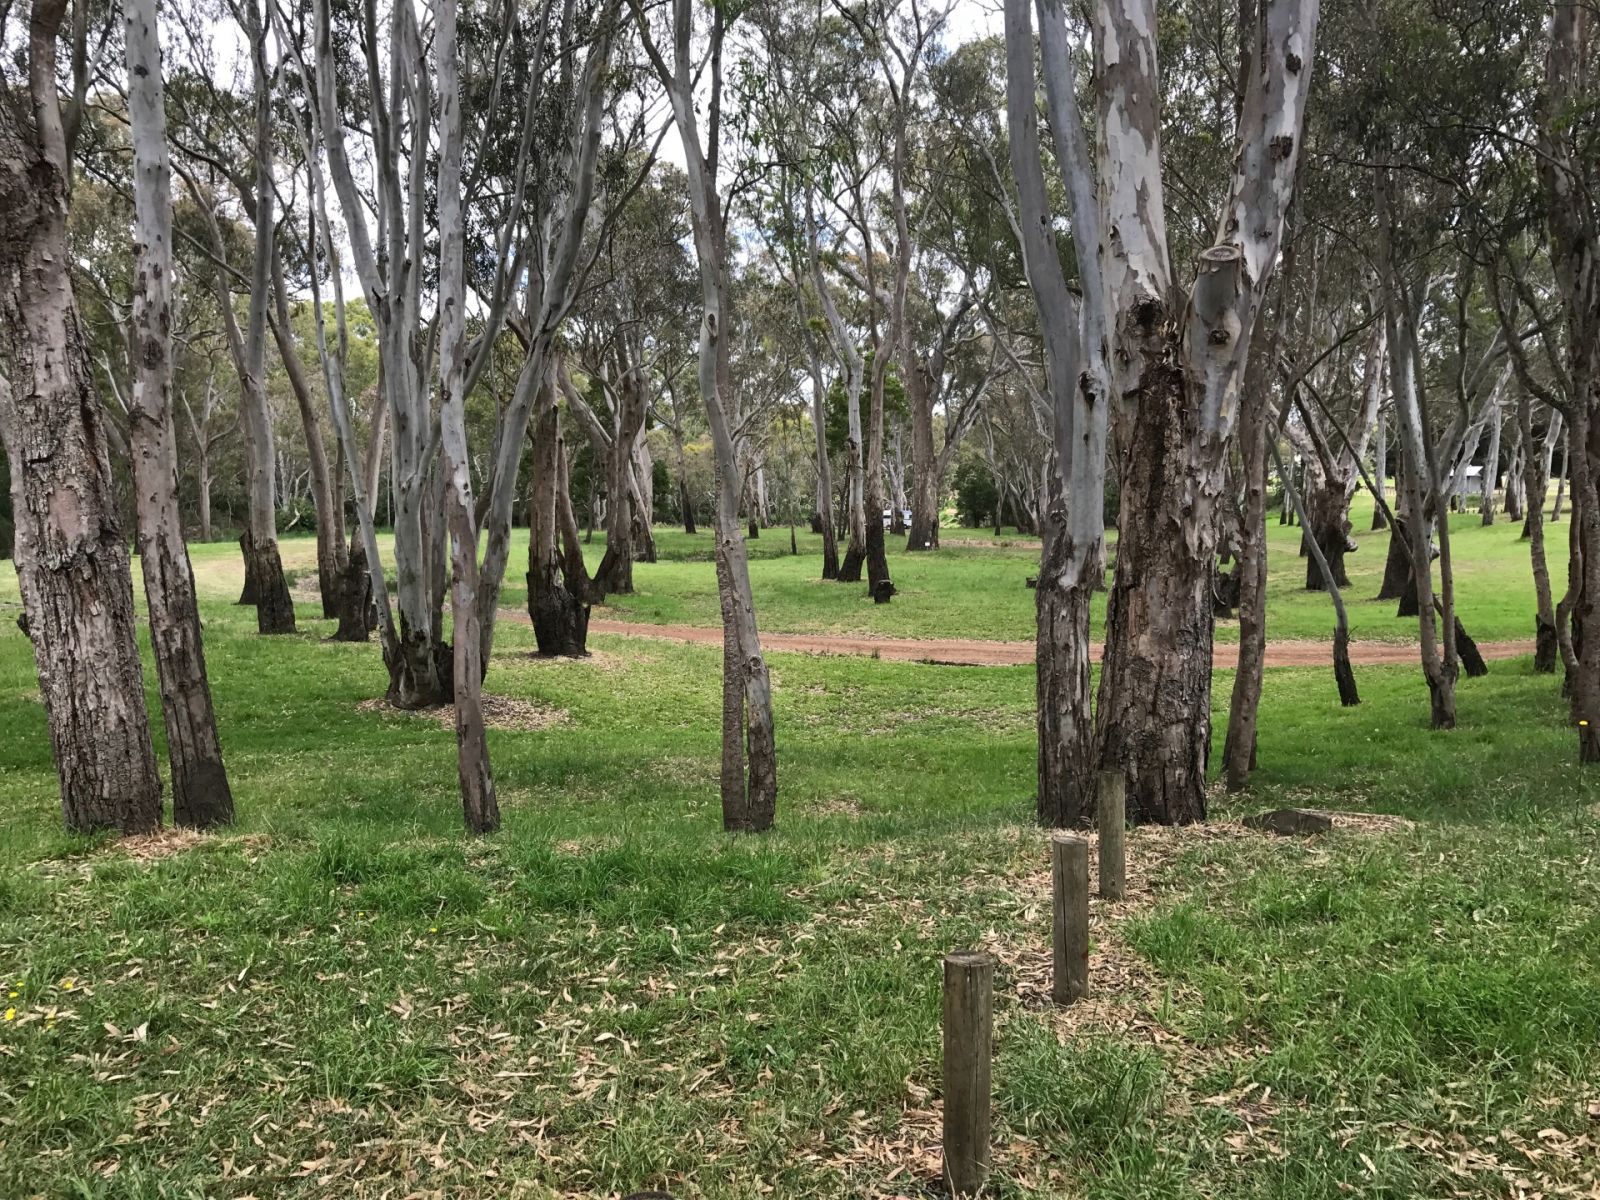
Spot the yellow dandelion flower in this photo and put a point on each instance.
(68, 984)
(433, 929)
(11, 1014)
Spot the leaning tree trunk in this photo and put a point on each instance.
(70, 556)
(200, 794)
(1491, 466)
(1344, 677)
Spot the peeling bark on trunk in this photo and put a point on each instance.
(201, 797)
(1177, 376)
(71, 559)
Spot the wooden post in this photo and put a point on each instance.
(968, 1044)
(1069, 870)
(1112, 818)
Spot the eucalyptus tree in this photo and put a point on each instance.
(480, 809)
(1569, 171)
(749, 777)
(70, 554)
(1175, 365)
(200, 792)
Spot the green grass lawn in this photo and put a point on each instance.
(346, 997)
(975, 586)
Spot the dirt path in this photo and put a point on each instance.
(962, 652)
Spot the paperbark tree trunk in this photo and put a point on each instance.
(819, 425)
(71, 559)
(200, 794)
(480, 810)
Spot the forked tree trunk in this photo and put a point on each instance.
(200, 794)
(1177, 376)
(70, 556)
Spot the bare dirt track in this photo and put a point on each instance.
(968, 653)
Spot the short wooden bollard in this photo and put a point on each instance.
(1069, 874)
(968, 1044)
(1112, 818)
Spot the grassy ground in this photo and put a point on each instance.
(974, 587)
(346, 997)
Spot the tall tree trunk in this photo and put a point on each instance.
(1344, 677)
(1545, 644)
(1239, 750)
(1491, 466)
(331, 534)
(615, 573)
(200, 793)
(749, 755)
(262, 563)
(924, 532)
(1568, 175)
(480, 810)
(70, 556)
(1380, 462)
(819, 426)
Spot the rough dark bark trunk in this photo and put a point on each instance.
(1062, 683)
(264, 567)
(1327, 520)
(353, 599)
(1155, 685)
(70, 555)
(560, 614)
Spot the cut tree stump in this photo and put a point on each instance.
(1290, 822)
